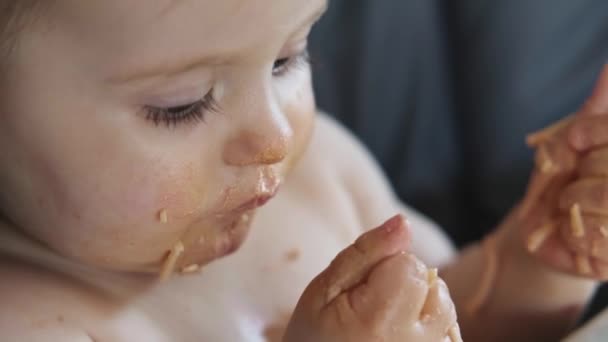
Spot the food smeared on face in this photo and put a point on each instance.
(162, 216)
(292, 255)
(150, 147)
(190, 269)
(170, 261)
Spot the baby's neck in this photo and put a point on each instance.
(19, 246)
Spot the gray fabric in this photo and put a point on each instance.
(382, 68)
(443, 92)
(519, 65)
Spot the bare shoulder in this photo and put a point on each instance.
(334, 147)
(40, 306)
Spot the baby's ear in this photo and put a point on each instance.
(597, 104)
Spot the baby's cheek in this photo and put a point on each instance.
(183, 195)
(160, 194)
(138, 221)
(301, 111)
(168, 197)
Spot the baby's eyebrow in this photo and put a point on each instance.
(168, 69)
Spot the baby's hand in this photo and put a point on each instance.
(565, 212)
(375, 291)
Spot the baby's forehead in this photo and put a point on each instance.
(212, 12)
(120, 24)
(112, 40)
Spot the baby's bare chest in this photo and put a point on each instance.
(250, 295)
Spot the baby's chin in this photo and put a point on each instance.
(194, 251)
(202, 245)
(184, 250)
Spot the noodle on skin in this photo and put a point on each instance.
(576, 221)
(169, 264)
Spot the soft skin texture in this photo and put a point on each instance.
(88, 180)
(79, 153)
(95, 193)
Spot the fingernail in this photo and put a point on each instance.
(393, 224)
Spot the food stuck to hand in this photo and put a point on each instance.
(375, 290)
(583, 266)
(553, 157)
(565, 194)
(540, 235)
(541, 137)
(432, 281)
(576, 221)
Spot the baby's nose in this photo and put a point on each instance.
(266, 144)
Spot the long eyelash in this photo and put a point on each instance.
(297, 61)
(193, 112)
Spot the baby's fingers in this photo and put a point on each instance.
(354, 263)
(586, 235)
(394, 293)
(590, 128)
(439, 313)
(595, 164)
(589, 132)
(554, 160)
(590, 195)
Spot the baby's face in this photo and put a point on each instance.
(117, 114)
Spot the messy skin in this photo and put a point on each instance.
(189, 110)
(135, 133)
(149, 139)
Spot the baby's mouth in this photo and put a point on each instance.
(235, 222)
(256, 202)
(266, 187)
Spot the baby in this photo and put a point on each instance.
(165, 177)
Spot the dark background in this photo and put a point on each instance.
(444, 92)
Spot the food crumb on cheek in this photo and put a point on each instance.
(190, 269)
(180, 192)
(163, 216)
